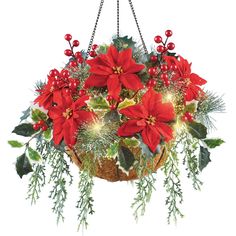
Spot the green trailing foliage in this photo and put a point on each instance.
(23, 165)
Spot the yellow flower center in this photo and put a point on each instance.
(117, 70)
(151, 120)
(68, 113)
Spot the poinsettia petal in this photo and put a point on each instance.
(151, 137)
(83, 117)
(124, 58)
(113, 53)
(196, 79)
(101, 70)
(129, 128)
(184, 67)
(151, 100)
(80, 102)
(135, 111)
(69, 130)
(164, 112)
(165, 131)
(134, 68)
(55, 112)
(58, 125)
(44, 100)
(114, 86)
(95, 81)
(131, 81)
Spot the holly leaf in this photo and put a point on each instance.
(111, 116)
(25, 115)
(190, 108)
(124, 42)
(98, 103)
(23, 166)
(212, 143)
(33, 155)
(37, 115)
(204, 158)
(197, 130)
(25, 130)
(15, 144)
(131, 142)
(126, 103)
(112, 151)
(47, 134)
(126, 158)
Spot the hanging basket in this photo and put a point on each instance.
(108, 169)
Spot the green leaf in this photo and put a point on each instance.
(103, 49)
(111, 116)
(126, 103)
(124, 42)
(24, 130)
(191, 108)
(47, 134)
(98, 103)
(112, 151)
(212, 143)
(33, 155)
(37, 115)
(197, 130)
(23, 166)
(131, 142)
(204, 158)
(126, 158)
(15, 144)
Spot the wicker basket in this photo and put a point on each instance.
(108, 168)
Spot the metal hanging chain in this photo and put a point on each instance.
(94, 29)
(118, 19)
(137, 24)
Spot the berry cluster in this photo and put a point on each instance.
(40, 125)
(77, 57)
(187, 117)
(93, 53)
(163, 47)
(113, 103)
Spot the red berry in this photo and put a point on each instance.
(152, 71)
(73, 63)
(158, 39)
(113, 107)
(166, 83)
(75, 43)
(80, 60)
(189, 116)
(44, 128)
(153, 58)
(36, 127)
(120, 99)
(93, 54)
(73, 85)
(184, 118)
(94, 47)
(65, 74)
(109, 98)
(168, 33)
(54, 72)
(68, 91)
(68, 52)
(151, 83)
(160, 49)
(164, 67)
(41, 122)
(78, 54)
(171, 46)
(68, 37)
(82, 92)
(173, 67)
(164, 76)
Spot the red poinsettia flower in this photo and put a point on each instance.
(67, 117)
(190, 81)
(150, 118)
(113, 70)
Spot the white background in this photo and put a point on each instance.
(32, 43)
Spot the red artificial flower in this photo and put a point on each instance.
(113, 70)
(67, 117)
(189, 81)
(150, 118)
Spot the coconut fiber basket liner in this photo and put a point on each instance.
(108, 169)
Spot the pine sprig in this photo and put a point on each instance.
(212, 103)
(173, 186)
(36, 182)
(60, 174)
(85, 203)
(190, 148)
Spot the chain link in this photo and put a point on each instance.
(94, 29)
(137, 24)
(118, 18)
